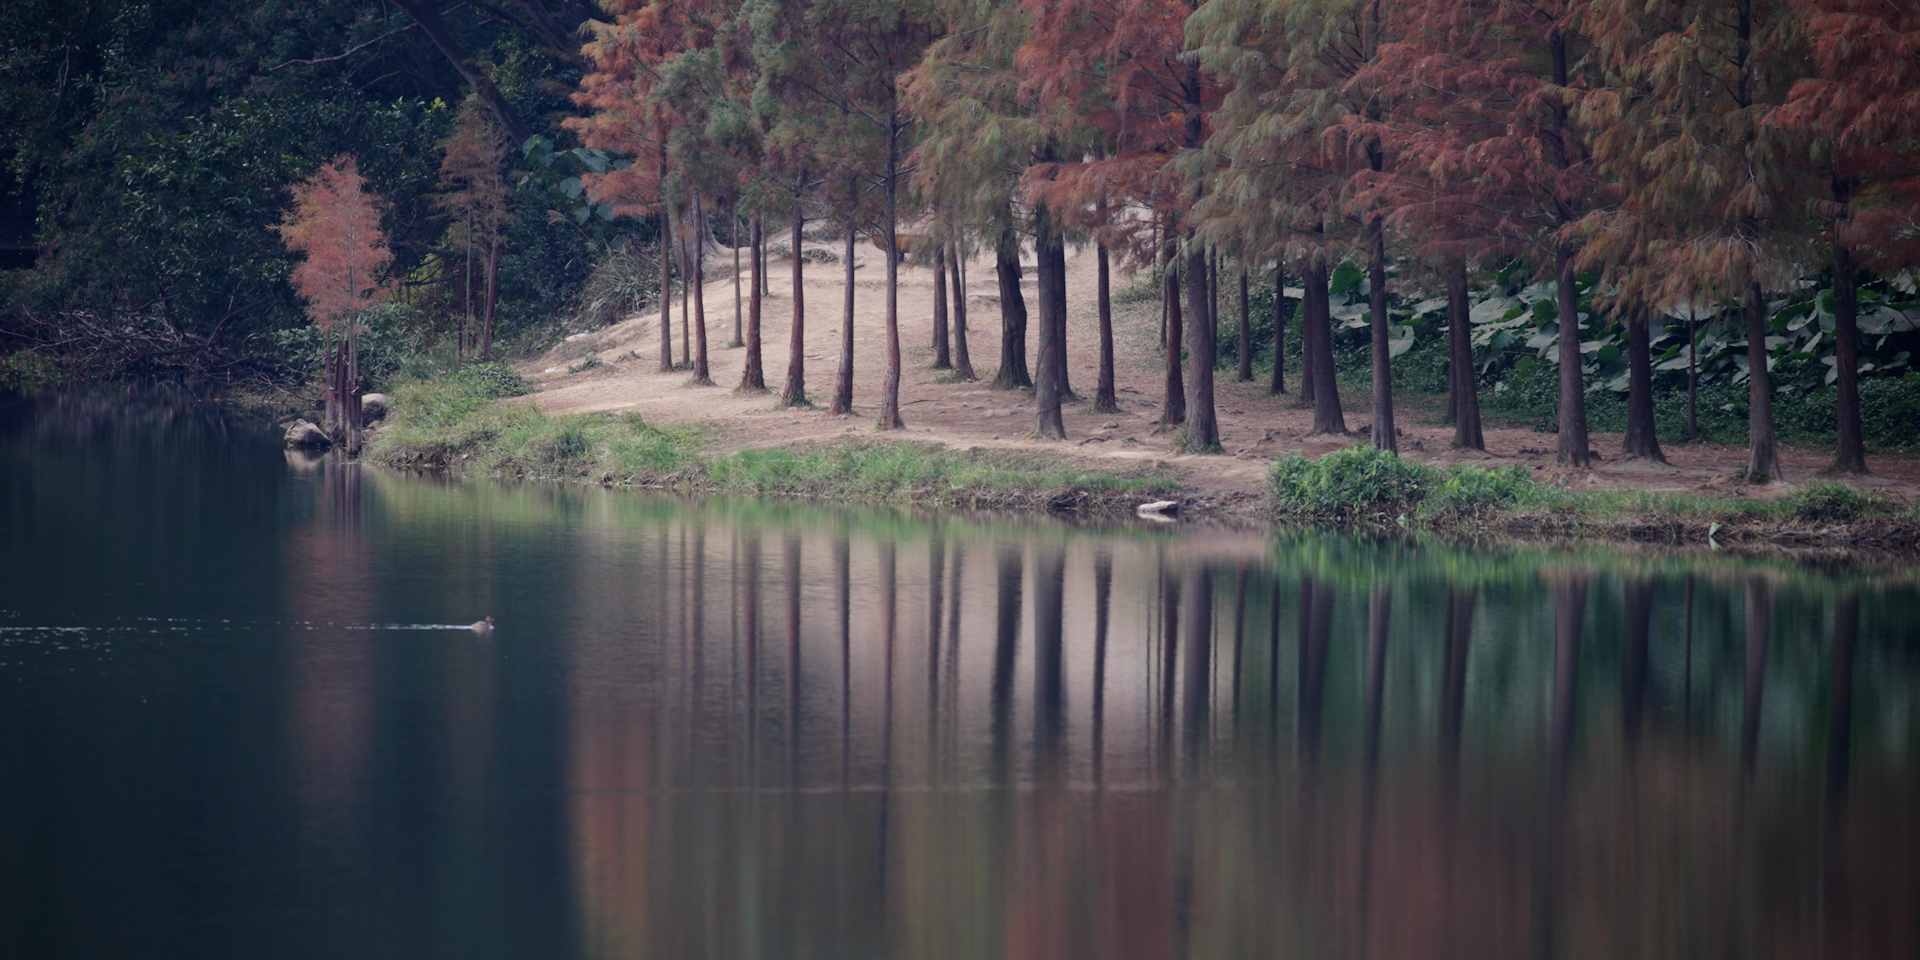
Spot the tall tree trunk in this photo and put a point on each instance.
(1105, 399)
(942, 355)
(1048, 271)
(1850, 453)
(1203, 428)
(666, 280)
(1693, 377)
(1280, 313)
(795, 394)
(962, 360)
(1464, 393)
(890, 388)
(1763, 460)
(493, 301)
(1013, 315)
(1641, 440)
(843, 383)
(1573, 384)
(1176, 408)
(733, 240)
(1385, 435)
(1246, 330)
(699, 285)
(1327, 416)
(686, 306)
(753, 378)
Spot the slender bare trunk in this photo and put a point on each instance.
(733, 240)
(1327, 416)
(753, 378)
(1104, 399)
(843, 382)
(795, 394)
(1641, 440)
(699, 284)
(1385, 435)
(1203, 428)
(1280, 314)
(1763, 461)
(890, 389)
(1048, 270)
(666, 282)
(962, 361)
(1013, 315)
(1850, 452)
(942, 354)
(1573, 385)
(1464, 393)
(1175, 413)
(1246, 330)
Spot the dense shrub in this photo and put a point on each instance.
(1356, 483)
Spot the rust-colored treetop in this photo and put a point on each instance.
(335, 222)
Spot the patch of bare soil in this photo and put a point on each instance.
(1254, 425)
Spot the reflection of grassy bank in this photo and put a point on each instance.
(1360, 486)
(459, 422)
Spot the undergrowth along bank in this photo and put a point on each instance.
(1362, 486)
(461, 421)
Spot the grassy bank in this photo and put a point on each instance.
(1363, 487)
(461, 421)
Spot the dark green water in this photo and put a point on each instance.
(230, 728)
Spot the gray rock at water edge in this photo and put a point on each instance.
(374, 406)
(301, 433)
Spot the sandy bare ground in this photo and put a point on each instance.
(1254, 425)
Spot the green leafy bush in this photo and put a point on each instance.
(1835, 502)
(1468, 491)
(1357, 483)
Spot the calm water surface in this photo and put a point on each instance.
(230, 727)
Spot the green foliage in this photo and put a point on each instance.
(29, 371)
(1359, 483)
(1466, 491)
(1836, 502)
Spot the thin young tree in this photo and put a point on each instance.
(473, 195)
(335, 226)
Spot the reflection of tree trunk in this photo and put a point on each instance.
(1170, 656)
(1239, 637)
(1379, 610)
(1006, 639)
(843, 591)
(1049, 660)
(1316, 630)
(1686, 673)
(1102, 602)
(750, 559)
(889, 602)
(1759, 633)
(936, 585)
(953, 634)
(1453, 707)
(1199, 680)
(1569, 615)
(1833, 847)
(792, 575)
(1638, 597)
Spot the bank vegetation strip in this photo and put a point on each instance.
(467, 422)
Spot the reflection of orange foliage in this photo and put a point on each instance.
(610, 769)
(331, 671)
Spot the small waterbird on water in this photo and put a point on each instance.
(482, 627)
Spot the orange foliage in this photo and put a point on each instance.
(335, 222)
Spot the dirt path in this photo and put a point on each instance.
(1254, 425)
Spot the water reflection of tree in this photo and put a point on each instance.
(1457, 785)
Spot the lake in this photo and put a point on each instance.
(239, 718)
